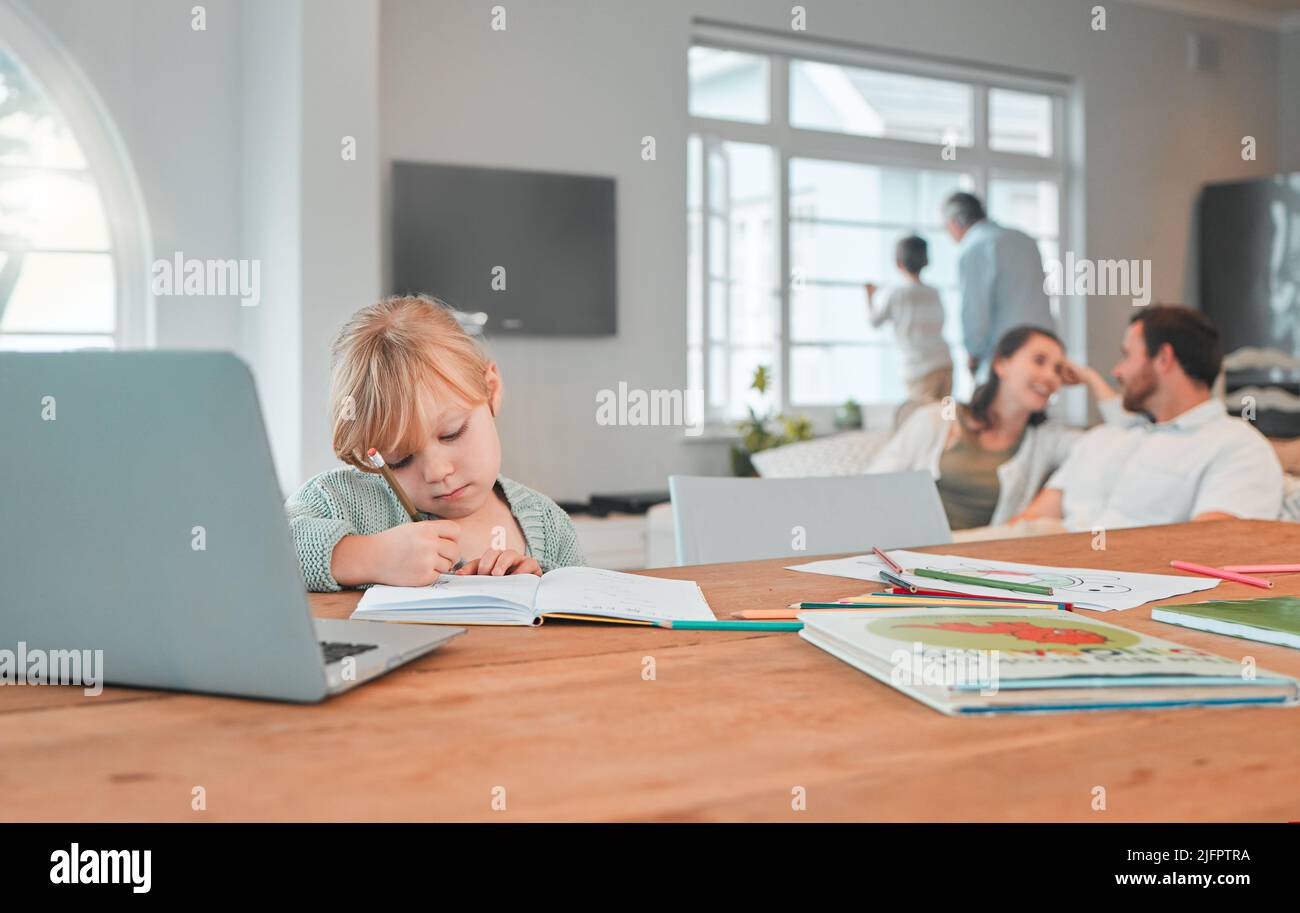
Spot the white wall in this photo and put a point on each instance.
(573, 86)
(270, 76)
(174, 95)
(340, 198)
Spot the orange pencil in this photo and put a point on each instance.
(779, 614)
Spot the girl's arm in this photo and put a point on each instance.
(315, 533)
(562, 547)
(877, 315)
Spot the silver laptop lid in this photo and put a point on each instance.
(140, 515)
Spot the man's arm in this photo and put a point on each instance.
(1245, 481)
(1047, 504)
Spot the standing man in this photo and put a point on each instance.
(999, 278)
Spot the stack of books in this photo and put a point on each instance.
(1034, 660)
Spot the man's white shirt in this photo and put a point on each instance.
(1130, 471)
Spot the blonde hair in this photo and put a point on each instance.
(384, 359)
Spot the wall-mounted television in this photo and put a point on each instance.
(533, 251)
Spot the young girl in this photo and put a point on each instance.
(408, 381)
(917, 315)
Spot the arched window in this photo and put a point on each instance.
(73, 241)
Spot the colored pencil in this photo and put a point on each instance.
(936, 597)
(376, 460)
(981, 581)
(1068, 606)
(1222, 574)
(897, 581)
(1263, 568)
(791, 614)
(893, 565)
(732, 625)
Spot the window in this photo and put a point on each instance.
(804, 169)
(62, 276)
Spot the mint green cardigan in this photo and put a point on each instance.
(348, 502)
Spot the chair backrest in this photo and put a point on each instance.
(721, 519)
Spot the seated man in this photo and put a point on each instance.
(1186, 459)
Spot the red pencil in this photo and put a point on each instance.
(893, 565)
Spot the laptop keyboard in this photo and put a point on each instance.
(337, 650)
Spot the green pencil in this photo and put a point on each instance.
(980, 581)
(732, 625)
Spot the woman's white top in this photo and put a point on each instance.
(920, 442)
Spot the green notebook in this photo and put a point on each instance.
(1272, 619)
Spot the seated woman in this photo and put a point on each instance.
(990, 457)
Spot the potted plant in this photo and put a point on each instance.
(756, 435)
(848, 417)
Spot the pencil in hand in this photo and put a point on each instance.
(373, 457)
(377, 461)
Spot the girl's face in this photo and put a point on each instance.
(453, 474)
(1030, 377)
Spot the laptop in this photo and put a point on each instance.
(140, 515)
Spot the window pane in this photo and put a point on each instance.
(1020, 122)
(845, 190)
(62, 292)
(832, 313)
(728, 85)
(828, 375)
(31, 130)
(51, 209)
(842, 99)
(842, 253)
(1031, 206)
(52, 343)
(846, 254)
(743, 293)
(742, 365)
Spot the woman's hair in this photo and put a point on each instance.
(383, 361)
(981, 401)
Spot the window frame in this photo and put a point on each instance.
(789, 142)
(59, 77)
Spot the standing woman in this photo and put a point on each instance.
(989, 457)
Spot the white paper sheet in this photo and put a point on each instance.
(1088, 588)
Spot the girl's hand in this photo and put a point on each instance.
(413, 554)
(499, 563)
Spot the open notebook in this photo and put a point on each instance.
(579, 593)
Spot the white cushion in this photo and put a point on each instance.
(845, 454)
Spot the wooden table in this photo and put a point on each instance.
(565, 721)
